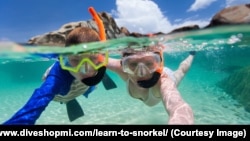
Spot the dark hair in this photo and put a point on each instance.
(81, 35)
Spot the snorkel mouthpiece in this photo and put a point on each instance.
(150, 82)
(91, 81)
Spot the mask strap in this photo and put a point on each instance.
(159, 70)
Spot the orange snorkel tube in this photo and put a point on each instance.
(107, 82)
(102, 34)
(99, 23)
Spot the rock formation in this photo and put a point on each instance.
(57, 38)
(231, 16)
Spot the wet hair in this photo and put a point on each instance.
(81, 35)
(125, 54)
(131, 51)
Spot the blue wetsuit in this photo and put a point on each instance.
(58, 81)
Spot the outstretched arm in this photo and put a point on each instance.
(115, 66)
(57, 81)
(179, 111)
(184, 67)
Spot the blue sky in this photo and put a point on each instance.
(22, 19)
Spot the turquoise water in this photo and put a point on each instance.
(220, 53)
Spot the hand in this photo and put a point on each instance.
(46, 73)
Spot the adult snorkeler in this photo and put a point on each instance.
(69, 77)
(149, 81)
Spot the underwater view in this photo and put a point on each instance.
(216, 86)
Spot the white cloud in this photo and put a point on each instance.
(236, 2)
(144, 16)
(200, 4)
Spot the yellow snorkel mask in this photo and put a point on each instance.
(88, 62)
(82, 62)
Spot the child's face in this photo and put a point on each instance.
(83, 65)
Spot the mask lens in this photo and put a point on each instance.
(83, 62)
(86, 68)
(141, 64)
(141, 70)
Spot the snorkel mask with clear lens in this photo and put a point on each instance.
(142, 63)
(88, 62)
